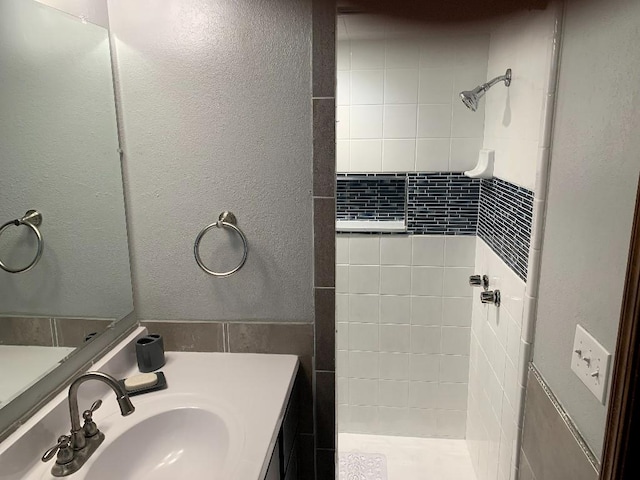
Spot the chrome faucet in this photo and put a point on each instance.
(73, 451)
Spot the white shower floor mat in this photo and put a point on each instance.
(409, 458)
(362, 466)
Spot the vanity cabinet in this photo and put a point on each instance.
(284, 458)
(274, 472)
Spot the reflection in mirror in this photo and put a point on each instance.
(59, 155)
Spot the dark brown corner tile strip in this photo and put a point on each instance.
(550, 445)
(325, 464)
(325, 409)
(325, 328)
(189, 336)
(324, 238)
(324, 147)
(324, 48)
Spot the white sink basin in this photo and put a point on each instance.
(167, 438)
(218, 419)
(180, 443)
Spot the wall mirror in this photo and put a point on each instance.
(59, 156)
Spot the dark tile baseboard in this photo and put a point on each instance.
(552, 449)
(27, 331)
(189, 336)
(49, 332)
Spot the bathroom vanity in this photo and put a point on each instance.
(223, 416)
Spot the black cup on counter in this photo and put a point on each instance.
(150, 352)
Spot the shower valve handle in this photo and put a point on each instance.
(491, 296)
(479, 281)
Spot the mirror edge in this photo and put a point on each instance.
(21, 408)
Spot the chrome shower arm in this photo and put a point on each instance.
(506, 78)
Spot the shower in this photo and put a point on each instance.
(471, 98)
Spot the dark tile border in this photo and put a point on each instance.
(35, 331)
(324, 147)
(189, 336)
(551, 445)
(324, 241)
(324, 247)
(73, 332)
(50, 332)
(324, 48)
(325, 328)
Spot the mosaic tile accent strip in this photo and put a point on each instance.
(436, 203)
(504, 222)
(371, 197)
(445, 203)
(442, 204)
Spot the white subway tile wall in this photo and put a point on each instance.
(398, 109)
(500, 348)
(496, 387)
(523, 43)
(403, 347)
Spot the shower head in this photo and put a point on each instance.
(471, 98)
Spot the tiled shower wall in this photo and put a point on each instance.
(517, 126)
(398, 109)
(498, 358)
(403, 313)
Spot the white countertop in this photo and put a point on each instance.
(253, 388)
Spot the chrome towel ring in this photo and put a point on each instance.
(32, 219)
(225, 220)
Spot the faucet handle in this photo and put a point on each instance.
(62, 448)
(94, 406)
(90, 428)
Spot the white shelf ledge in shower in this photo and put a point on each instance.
(371, 226)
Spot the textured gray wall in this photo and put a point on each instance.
(58, 153)
(593, 180)
(217, 116)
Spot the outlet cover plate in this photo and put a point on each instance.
(587, 358)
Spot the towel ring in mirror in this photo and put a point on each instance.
(32, 219)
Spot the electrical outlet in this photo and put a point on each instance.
(590, 362)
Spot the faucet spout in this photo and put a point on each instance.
(126, 407)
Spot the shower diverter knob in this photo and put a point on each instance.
(491, 296)
(479, 281)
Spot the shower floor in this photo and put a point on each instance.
(414, 458)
